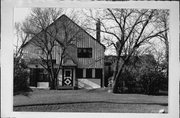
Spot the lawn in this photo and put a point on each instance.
(96, 100)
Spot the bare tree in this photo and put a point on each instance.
(136, 29)
(164, 24)
(21, 40)
(127, 30)
(36, 26)
(51, 35)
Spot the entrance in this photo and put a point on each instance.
(68, 77)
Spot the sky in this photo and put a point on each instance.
(20, 14)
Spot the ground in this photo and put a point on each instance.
(96, 100)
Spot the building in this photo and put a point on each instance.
(82, 67)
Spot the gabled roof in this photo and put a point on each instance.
(68, 62)
(73, 23)
(83, 30)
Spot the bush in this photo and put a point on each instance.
(146, 82)
(144, 75)
(21, 76)
(128, 82)
(151, 82)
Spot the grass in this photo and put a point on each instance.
(96, 100)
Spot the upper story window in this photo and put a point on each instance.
(84, 52)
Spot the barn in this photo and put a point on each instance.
(81, 67)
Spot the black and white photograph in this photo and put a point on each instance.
(93, 60)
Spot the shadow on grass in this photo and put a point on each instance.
(23, 92)
(160, 93)
(84, 102)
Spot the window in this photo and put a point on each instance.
(67, 73)
(88, 73)
(98, 73)
(84, 52)
(79, 73)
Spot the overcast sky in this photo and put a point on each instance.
(20, 14)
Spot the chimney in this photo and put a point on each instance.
(98, 30)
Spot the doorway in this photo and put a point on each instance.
(68, 77)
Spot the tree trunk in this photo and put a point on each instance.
(53, 82)
(117, 77)
(115, 86)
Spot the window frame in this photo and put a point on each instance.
(86, 54)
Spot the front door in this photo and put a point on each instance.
(68, 77)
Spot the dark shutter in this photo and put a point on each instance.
(98, 73)
(79, 73)
(88, 73)
(33, 78)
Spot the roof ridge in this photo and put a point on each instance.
(84, 30)
(64, 15)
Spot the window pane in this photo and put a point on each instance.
(67, 73)
(98, 73)
(88, 73)
(79, 73)
(84, 52)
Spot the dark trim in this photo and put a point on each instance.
(87, 74)
(75, 78)
(102, 81)
(98, 74)
(71, 77)
(62, 76)
(77, 72)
